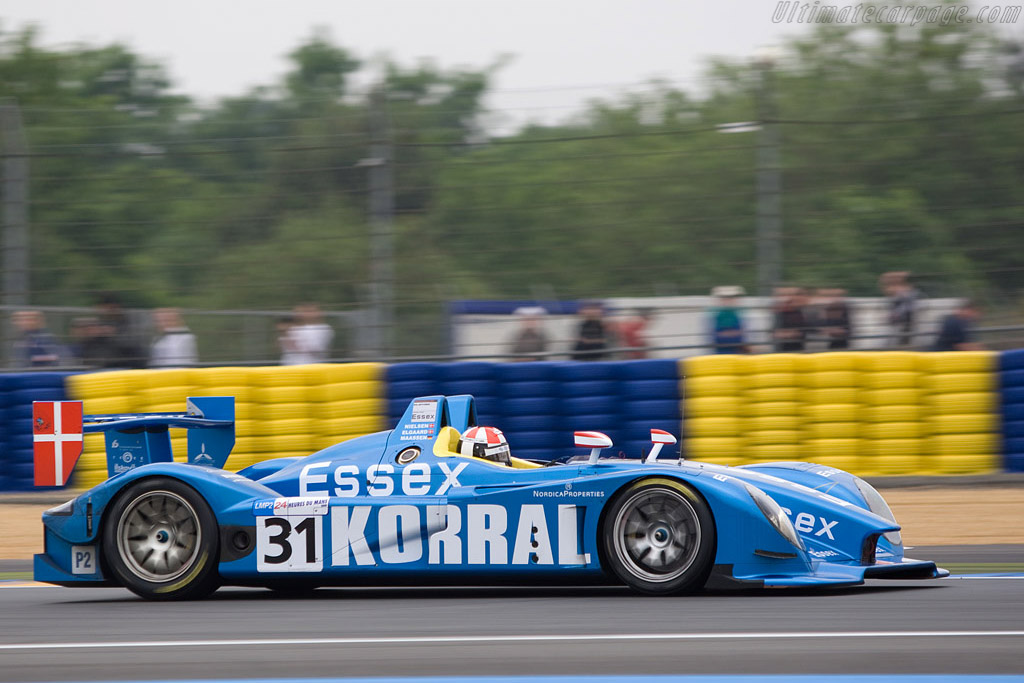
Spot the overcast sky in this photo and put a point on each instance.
(219, 47)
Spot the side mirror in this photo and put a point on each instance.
(595, 441)
(659, 437)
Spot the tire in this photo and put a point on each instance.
(527, 389)
(1011, 360)
(588, 405)
(651, 389)
(630, 370)
(534, 371)
(405, 372)
(653, 410)
(177, 517)
(467, 371)
(580, 371)
(474, 387)
(714, 364)
(674, 520)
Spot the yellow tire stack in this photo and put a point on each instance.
(893, 426)
(282, 424)
(713, 405)
(960, 399)
(868, 412)
(830, 395)
(773, 422)
(346, 401)
(232, 381)
(279, 411)
(165, 391)
(102, 393)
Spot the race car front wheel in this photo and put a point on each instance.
(659, 537)
(160, 541)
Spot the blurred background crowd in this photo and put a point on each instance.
(110, 339)
(801, 320)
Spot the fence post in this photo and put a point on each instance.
(769, 185)
(15, 214)
(382, 208)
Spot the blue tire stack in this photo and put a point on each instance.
(406, 381)
(648, 397)
(539, 405)
(528, 411)
(1011, 387)
(17, 392)
(588, 401)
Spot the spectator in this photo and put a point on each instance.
(790, 329)
(93, 343)
(308, 339)
(35, 347)
(834, 319)
(78, 331)
(727, 335)
(956, 334)
(902, 299)
(125, 349)
(591, 337)
(530, 341)
(285, 342)
(175, 345)
(633, 334)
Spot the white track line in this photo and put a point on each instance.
(502, 639)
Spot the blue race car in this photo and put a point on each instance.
(439, 499)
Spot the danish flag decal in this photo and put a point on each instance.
(56, 440)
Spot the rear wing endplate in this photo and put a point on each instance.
(132, 439)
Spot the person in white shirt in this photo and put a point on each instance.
(308, 339)
(175, 345)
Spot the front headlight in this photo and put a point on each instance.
(878, 505)
(774, 514)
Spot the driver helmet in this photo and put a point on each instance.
(485, 442)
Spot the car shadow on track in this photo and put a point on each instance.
(236, 594)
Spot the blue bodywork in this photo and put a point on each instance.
(400, 506)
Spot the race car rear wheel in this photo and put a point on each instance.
(659, 537)
(160, 541)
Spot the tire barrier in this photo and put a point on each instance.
(873, 413)
(540, 404)
(1011, 408)
(17, 391)
(280, 410)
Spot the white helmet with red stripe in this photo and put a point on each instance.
(487, 443)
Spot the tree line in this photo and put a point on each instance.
(900, 149)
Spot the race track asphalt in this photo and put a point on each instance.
(957, 625)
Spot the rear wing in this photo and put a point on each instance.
(132, 439)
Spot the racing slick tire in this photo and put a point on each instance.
(658, 537)
(160, 541)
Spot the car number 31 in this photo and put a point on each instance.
(289, 544)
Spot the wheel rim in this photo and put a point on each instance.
(158, 536)
(657, 535)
